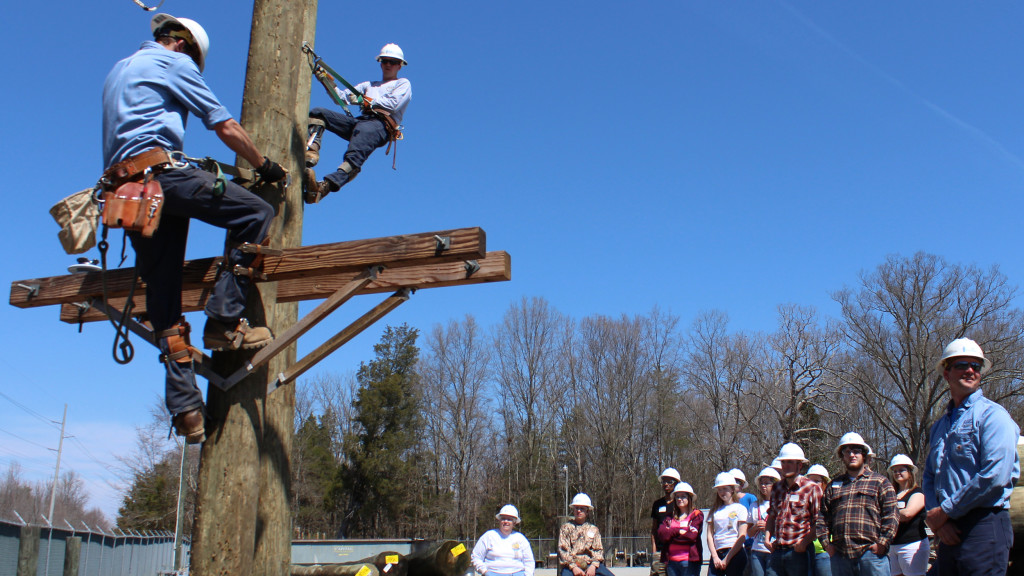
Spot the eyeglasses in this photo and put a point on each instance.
(766, 480)
(853, 450)
(682, 497)
(390, 61)
(964, 365)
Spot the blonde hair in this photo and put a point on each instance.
(718, 503)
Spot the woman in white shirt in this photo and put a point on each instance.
(727, 529)
(503, 551)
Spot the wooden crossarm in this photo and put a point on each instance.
(303, 262)
(495, 267)
(340, 339)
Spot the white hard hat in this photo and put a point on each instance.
(684, 487)
(776, 464)
(671, 473)
(902, 460)
(791, 451)
(852, 439)
(507, 510)
(725, 479)
(202, 41)
(581, 499)
(820, 471)
(392, 51)
(964, 347)
(741, 478)
(770, 473)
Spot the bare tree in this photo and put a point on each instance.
(454, 375)
(896, 324)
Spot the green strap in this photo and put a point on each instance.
(320, 62)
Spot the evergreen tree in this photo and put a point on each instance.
(380, 469)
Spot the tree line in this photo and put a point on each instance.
(433, 434)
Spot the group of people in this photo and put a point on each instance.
(861, 522)
(796, 523)
(147, 98)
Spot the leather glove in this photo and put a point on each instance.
(271, 171)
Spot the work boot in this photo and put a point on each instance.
(313, 191)
(312, 155)
(190, 425)
(218, 335)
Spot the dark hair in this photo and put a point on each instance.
(674, 510)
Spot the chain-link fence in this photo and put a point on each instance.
(52, 551)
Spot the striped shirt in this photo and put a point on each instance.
(792, 511)
(858, 512)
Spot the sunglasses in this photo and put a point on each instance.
(682, 497)
(964, 365)
(390, 61)
(854, 450)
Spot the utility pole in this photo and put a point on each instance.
(56, 471)
(243, 521)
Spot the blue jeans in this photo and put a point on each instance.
(984, 550)
(188, 193)
(682, 568)
(822, 565)
(759, 562)
(364, 134)
(602, 570)
(789, 562)
(869, 564)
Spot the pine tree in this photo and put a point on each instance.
(379, 474)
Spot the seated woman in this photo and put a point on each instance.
(580, 552)
(503, 551)
(679, 534)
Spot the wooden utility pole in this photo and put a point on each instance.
(243, 524)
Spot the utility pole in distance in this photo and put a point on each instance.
(243, 521)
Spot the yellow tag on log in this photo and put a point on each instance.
(455, 551)
(391, 559)
(363, 571)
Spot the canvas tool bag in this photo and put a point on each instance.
(131, 198)
(78, 216)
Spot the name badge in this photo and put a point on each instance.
(591, 534)
(901, 504)
(837, 485)
(794, 498)
(661, 510)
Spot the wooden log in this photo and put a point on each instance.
(447, 558)
(354, 569)
(496, 267)
(301, 262)
(72, 555)
(28, 551)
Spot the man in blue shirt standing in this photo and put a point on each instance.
(971, 469)
(147, 98)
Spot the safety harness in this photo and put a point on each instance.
(327, 76)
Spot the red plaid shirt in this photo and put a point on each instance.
(792, 510)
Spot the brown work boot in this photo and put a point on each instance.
(312, 156)
(190, 425)
(313, 191)
(220, 336)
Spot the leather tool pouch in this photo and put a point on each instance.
(134, 206)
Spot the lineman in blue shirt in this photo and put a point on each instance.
(382, 115)
(971, 470)
(147, 98)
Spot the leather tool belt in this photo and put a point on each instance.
(131, 198)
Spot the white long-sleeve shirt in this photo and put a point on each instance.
(393, 96)
(500, 554)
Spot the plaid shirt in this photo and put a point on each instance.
(792, 510)
(579, 544)
(858, 512)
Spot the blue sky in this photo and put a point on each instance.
(690, 155)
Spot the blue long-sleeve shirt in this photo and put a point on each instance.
(973, 460)
(146, 101)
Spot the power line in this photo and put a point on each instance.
(26, 440)
(28, 410)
